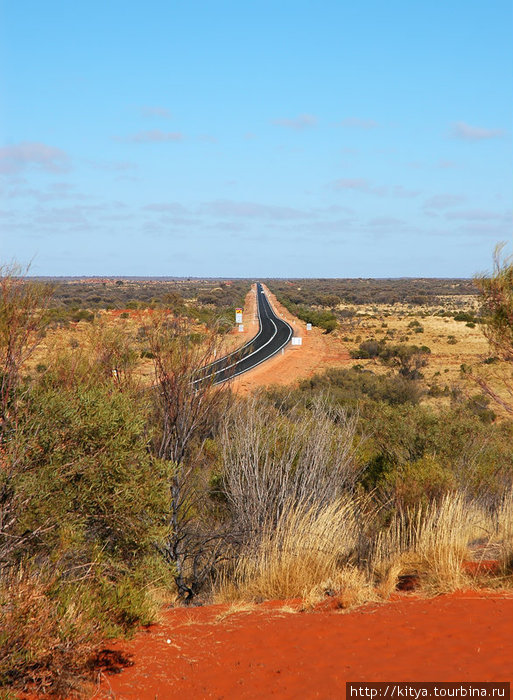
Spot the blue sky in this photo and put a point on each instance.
(256, 138)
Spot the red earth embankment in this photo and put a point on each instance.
(269, 652)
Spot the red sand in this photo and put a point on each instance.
(267, 653)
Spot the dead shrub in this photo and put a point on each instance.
(45, 645)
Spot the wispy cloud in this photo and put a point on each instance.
(113, 166)
(250, 210)
(208, 138)
(479, 215)
(446, 164)
(27, 154)
(363, 185)
(356, 123)
(303, 121)
(155, 136)
(166, 207)
(160, 112)
(57, 191)
(466, 132)
(386, 222)
(403, 192)
(444, 201)
(490, 229)
(358, 185)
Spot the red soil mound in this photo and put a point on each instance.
(206, 653)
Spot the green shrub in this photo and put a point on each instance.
(349, 386)
(367, 350)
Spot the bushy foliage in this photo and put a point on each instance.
(497, 304)
(451, 443)
(82, 513)
(109, 491)
(317, 317)
(87, 471)
(408, 359)
(350, 386)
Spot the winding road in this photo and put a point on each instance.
(273, 335)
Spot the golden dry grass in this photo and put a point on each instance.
(303, 551)
(453, 344)
(314, 552)
(432, 542)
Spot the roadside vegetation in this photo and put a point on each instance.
(119, 495)
(330, 303)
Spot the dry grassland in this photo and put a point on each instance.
(455, 347)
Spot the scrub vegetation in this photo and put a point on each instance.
(120, 494)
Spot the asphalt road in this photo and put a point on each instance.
(273, 335)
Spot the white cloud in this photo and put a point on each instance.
(356, 123)
(161, 112)
(466, 132)
(444, 201)
(155, 136)
(15, 158)
(303, 121)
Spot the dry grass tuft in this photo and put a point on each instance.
(349, 588)
(315, 553)
(505, 532)
(304, 550)
(431, 542)
(45, 647)
(235, 609)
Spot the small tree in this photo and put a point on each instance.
(188, 411)
(408, 359)
(497, 308)
(497, 304)
(22, 321)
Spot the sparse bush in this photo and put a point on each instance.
(367, 350)
(409, 359)
(186, 414)
(348, 387)
(45, 645)
(270, 460)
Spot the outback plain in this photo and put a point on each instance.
(256, 350)
(341, 512)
